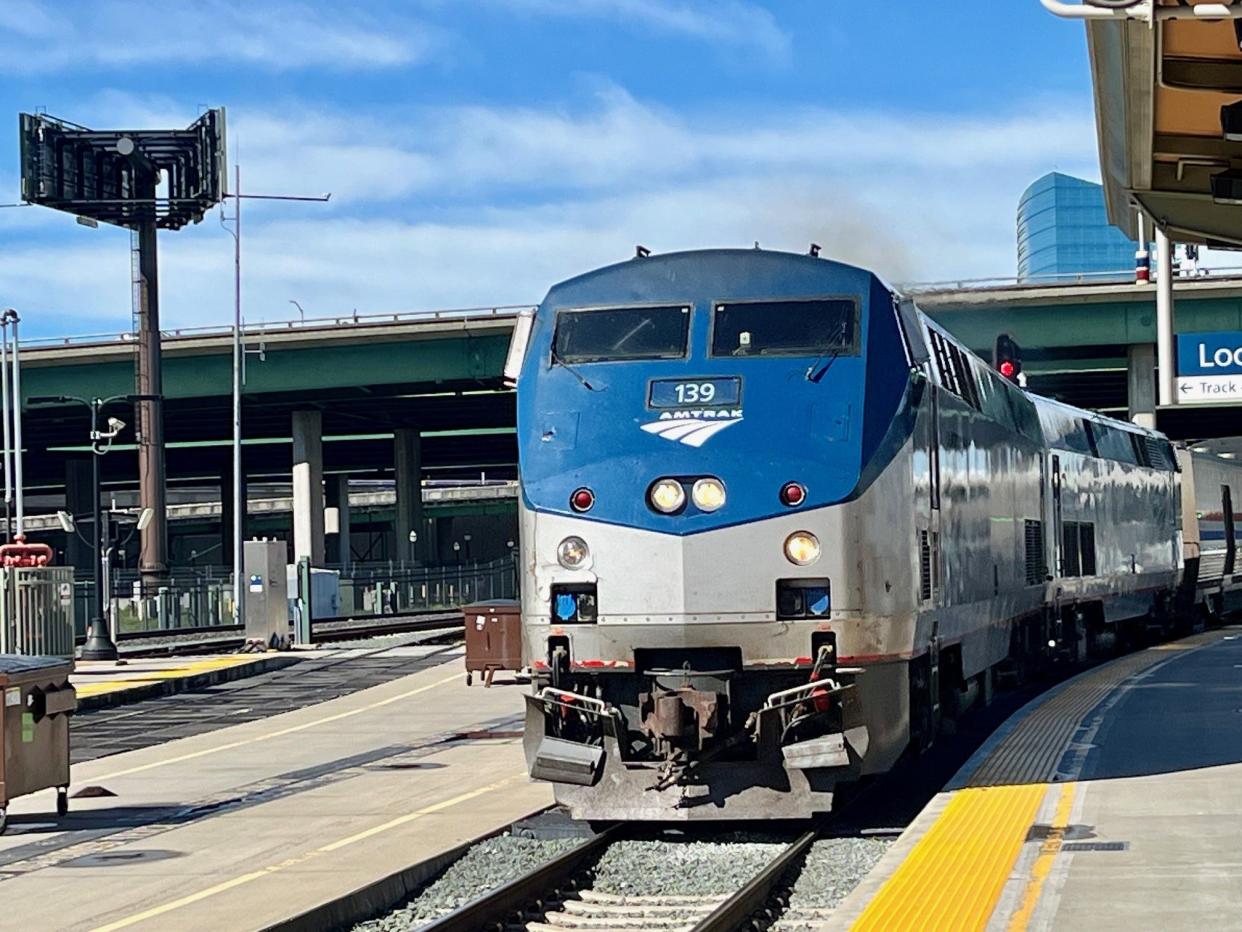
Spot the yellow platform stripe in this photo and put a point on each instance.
(1048, 851)
(168, 673)
(953, 877)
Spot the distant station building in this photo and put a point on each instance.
(1064, 234)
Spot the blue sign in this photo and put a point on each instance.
(1218, 352)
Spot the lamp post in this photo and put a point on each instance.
(99, 644)
(466, 538)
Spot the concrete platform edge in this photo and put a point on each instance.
(174, 685)
(376, 897)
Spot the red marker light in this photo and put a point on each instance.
(1007, 369)
(793, 494)
(582, 500)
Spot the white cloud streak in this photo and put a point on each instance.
(275, 36)
(734, 23)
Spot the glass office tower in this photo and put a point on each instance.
(1064, 233)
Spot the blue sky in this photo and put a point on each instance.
(479, 150)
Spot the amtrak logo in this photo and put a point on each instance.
(693, 428)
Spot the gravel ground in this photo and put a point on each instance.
(833, 867)
(487, 865)
(682, 868)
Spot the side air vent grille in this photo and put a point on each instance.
(1034, 534)
(925, 567)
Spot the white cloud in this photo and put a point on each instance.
(478, 205)
(724, 22)
(271, 35)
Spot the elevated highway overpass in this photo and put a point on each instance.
(424, 389)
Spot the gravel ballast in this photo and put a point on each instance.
(681, 868)
(832, 869)
(486, 866)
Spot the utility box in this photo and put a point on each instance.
(325, 591)
(34, 728)
(267, 591)
(493, 638)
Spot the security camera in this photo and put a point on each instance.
(115, 425)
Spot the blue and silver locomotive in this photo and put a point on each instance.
(776, 525)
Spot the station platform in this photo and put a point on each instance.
(1109, 802)
(102, 683)
(249, 826)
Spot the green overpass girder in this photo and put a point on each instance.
(284, 369)
(1054, 325)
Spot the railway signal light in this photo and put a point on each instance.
(1007, 358)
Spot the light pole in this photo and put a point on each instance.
(413, 549)
(466, 538)
(99, 644)
(457, 552)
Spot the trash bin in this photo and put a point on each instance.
(34, 727)
(493, 638)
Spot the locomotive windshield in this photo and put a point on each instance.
(617, 333)
(786, 328)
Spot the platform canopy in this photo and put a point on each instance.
(1163, 70)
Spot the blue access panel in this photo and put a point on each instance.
(1217, 352)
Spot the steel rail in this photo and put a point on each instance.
(495, 907)
(321, 630)
(733, 912)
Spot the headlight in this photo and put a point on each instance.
(573, 553)
(667, 495)
(802, 548)
(708, 494)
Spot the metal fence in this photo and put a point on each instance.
(37, 610)
(204, 598)
(395, 588)
(189, 600)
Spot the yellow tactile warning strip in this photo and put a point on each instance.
(156, 675)
(954, 876)
(1048, 851)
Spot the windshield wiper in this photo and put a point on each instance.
(556, 358)
(814, 372)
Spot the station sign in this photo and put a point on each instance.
(1209, 366)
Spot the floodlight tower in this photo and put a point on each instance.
(114, 176)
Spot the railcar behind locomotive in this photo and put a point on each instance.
(776, 525)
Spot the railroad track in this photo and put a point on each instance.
(220, 639)
(629, 879)
(349, 629)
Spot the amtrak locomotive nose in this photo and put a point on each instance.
(775, 523)
(685, 420)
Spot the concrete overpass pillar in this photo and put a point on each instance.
(337, 493)
(408, 472)
(308, 486)
(1141, 383)
(78, 553)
